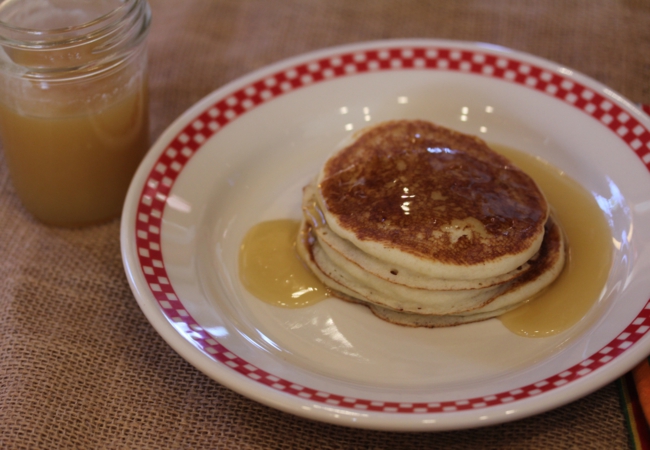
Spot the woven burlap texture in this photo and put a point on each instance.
(80, 366)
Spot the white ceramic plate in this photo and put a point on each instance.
(241, 156)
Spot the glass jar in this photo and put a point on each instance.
(74, 115)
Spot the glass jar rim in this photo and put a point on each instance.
(25, 37)
(86, 50)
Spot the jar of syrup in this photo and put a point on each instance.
(73, 104)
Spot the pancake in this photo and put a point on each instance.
(346, 255)
(429, 308)
(545, 269)
(432, 200)
(428, 227)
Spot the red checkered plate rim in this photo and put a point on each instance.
(145, 209)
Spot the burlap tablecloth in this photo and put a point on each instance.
(80, 366)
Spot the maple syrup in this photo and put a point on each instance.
(589, 257)
(271, 269)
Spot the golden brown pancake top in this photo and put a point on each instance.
(433, 192)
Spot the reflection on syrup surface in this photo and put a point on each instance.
(271, 270)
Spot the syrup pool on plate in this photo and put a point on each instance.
(270, 268)
(589, 256)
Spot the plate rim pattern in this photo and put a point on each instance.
(342, 62)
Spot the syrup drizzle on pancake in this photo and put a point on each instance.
(433, 193)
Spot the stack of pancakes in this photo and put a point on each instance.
(428, 227)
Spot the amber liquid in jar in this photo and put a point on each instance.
(74, 114)
(75, 169)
